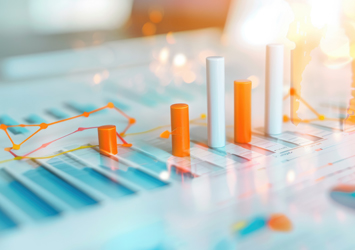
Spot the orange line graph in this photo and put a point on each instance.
(43, 126)
(320, 117)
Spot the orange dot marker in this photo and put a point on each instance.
(242, 111)
(165, 134)
(280, 222)
(43, 125)
(346, 188)
(107, 139)
(180, 128)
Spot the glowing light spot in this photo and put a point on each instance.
(78, 44)
(180, 60)
(97, 78)
(265, 23)
(164, 175)
(189, 77)
(156, 16)
(170, 38)
(291, 176)
(321, 117)
(164, 55)
(254, 81)
(105, 74)
(149, 29)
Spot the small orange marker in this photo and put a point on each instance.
(279, 222)
(180, 128)
(108, 139)
(242, 111)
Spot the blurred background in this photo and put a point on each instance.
(33, 26)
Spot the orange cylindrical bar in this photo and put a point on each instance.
(242, 111)
(180, 129)
(107, 139)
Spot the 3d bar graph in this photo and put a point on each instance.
(107, 139)
(215, 101)
(180, 129)
(242, 111)
(273, 88)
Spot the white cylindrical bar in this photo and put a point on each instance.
(273, 88)
(216, 124)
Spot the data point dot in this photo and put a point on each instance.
(286, 118)
(86, 114)
(43, 125)
(16, 147)
(292, 91)
(110, 105)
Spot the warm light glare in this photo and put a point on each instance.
(254, 81)
(290, 176)
(164, 55)
(180, 60)
(170, 38)
(189, 77)
(265, 24)
(155, 16)
(164, 175)
(97, 78)
(149, 29)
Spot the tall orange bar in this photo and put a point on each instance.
(242, 111)
(107, 139)
(180, 129)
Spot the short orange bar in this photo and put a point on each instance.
(108, 139)
(242, 111)
(180, 129)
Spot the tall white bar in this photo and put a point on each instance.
(216, 124)
(274, 88)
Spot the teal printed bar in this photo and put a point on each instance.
(119, 105)
(81, 108)
(6, 222)
(93, 179)
(7, 120)
(60, 188)
(25, 199)
(58, 114)
(35, 119)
